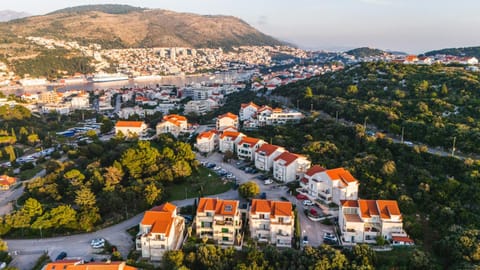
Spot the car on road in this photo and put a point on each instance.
(61, 256)
(408, 143)
(305, 240)
(97, 241)
(263, 195)
(268, 182)
(329, 238)
(308, 203)
(301, 197)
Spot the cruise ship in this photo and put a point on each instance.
(106, 77)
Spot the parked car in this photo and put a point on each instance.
(61, 256)
(262, 177)
(308, 203)
(217, 168)
(302, 197)
(211, 165)
(305, 240)
(97, 243)
(329, 238)
(268, 182)
(263, 195)
(230, 176)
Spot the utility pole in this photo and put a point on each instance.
(453, 146)
(336, 116)
(403, 129)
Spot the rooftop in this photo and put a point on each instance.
(136, 124)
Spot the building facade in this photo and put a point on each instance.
(130, 128)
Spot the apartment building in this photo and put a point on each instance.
(228, 141)
(159, 231)
(199, 107)
(130, 128)
(288, 167)
(172, 123)
(362, 221)
(330, 185)
(227, 120)
(248, 110)
(247, 146)
(266, 154)
(271, 222)
(207, 141)
(219, 220)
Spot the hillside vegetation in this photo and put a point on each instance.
(119, 26)
(434, 104)
(466, 51)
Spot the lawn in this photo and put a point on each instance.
(203, 183)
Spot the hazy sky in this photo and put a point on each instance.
(407, 25)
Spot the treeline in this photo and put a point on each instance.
(433, 104)
(53, 64)
(466, 51)
(104, 181)
(439, 197)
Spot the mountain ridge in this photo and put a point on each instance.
(8, 15)
(473, 51)
(122, 26)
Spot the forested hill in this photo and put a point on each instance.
(365, 52)
(466, 51)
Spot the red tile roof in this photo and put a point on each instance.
(287, 157)
(206, 135)
(6, 180)
(404, 239)
(275, 208)
(175, 119)
(229, 115)
(78, 265)
(349, 203)
(249, 140)
(368, 208)
(219, 206)
(388, 208)
(160, 218)
(136, 124)
(244, 105)
(268, 149)
(231, 134)
(314, 169)
(341, 174)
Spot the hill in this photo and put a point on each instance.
(365, 52)
(466, 51)
(120, 26)
(8, 15)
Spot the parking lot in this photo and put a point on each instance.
(314, 230)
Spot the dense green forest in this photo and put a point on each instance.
(98, 183)
(53, 64)
(365, 52)
(433, 104)
(465, 51)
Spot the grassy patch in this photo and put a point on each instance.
(395, 259)
(27, 174)
(203, 183)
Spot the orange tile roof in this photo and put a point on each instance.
(78, 265)
(228, 115)
(349, 203)
(160, 218)
(175, 119)
(405, 239)
(244, 105)
(217, 205)
(287, 157)
(368, 208)
(314, 169)
(6, 180)
(206, 135)
(249, 140)
(129, 124)
(264, 108)
(341, 174)
(268, 149)
(232, 134)
(275, 208)
(388, 208)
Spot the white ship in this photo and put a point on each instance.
(33, 82)
(74, 80)
(106, 77)
(147, 78)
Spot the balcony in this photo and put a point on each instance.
(227, 223)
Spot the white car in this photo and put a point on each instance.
(97, 242)
(308, 203)
(268, 182)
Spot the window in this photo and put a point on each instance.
(280, 219)
(209, 214)
(261, 216)
(224, 230)
(228, 208)
(225, 238)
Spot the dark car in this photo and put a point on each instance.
(61, 256)
(262, 177)
(263, 195)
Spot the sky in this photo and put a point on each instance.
(412, 26)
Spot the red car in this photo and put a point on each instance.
(302, 197)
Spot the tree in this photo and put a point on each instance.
(141, 161)
(3, 245)
(75, 177)
(152, 193)
(444, 90)
(85, 198)
(32, 207)
(249, 190)
(33, 139)
(113, 176)
(389, 168)
(173, 259)
(352, 90)
(308, 92)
